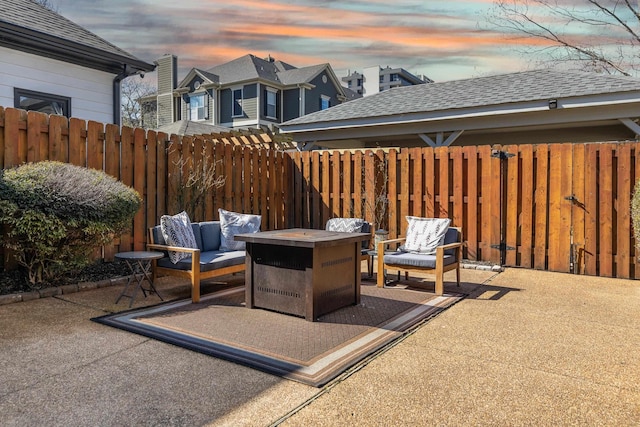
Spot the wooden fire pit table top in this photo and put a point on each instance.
(302, 237)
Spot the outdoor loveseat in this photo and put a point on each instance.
(444, 255)
(217, 254)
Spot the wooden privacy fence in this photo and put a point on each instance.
(559, 207)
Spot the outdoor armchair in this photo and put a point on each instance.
(446, 257)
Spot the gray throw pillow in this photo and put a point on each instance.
(232, 223)
(177, 231)
(424, 235)
(345, 225)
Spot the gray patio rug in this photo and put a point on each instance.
(313, 353)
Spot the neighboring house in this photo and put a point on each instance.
(248, 92)
(528, 107)
(376, 79)
(52, 65)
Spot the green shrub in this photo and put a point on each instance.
(635, 213)
(56, 214)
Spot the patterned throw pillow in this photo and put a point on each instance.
(232, 223)
(177, 231)
(345, 225)
(424, 235)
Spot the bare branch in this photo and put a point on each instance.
(593, 34)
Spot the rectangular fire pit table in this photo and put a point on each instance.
(302, 272)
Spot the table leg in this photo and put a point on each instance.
(140, 271)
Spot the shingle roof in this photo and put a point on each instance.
(30, 15)
(300, 75)
(188, 127)
(250, 67)
(474, 92)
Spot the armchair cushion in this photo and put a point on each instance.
(177, 231)
(232, 223)
(424, 235)
(409, 259)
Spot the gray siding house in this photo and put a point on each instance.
(248, 92)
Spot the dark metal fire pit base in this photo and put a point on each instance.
(301, 272)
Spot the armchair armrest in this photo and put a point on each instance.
(195, 253)
(452, 245)
(455, 245)
(385, 244)
(172, 248)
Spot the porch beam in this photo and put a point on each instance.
(635, 128)
(440, 141)
(427, 139)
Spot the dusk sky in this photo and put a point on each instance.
(443, 40)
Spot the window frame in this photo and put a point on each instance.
(65, 101)
(273, 92)
(237, 102)
(323, 99)
(204, 107)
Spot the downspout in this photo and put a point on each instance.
(117, 119)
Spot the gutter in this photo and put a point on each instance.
(117, 107)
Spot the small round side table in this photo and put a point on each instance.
(139, 263)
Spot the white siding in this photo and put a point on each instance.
(91, 91)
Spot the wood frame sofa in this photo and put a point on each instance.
(205, 262)
(446, 258)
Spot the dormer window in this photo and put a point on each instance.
(198, 107)
(325, 102)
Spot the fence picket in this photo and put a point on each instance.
(526, 211)
(512, 194)
(471, 223)
(77, 142)
(605, 207)
(622, 243)
(457, 176)
(541, 207)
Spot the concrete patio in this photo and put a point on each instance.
(525, 348)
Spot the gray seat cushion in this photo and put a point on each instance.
(210, 260)
(415, 260)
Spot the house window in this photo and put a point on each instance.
(197, 107)
(359, 82)
(42, 102)
(270, 104)
(395, 77)
(381, 78)
(350, 83)
(325, 102)
(237, 103)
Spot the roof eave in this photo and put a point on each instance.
(580, 109)
(26, 40)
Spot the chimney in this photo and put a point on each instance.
(167, 82)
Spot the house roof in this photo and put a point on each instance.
(496, 90)
(28, 26)
(301, 75)
(250, 67)
(189, 127)
(480, 97)
(247, 67)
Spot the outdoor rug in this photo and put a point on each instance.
(313, 353)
